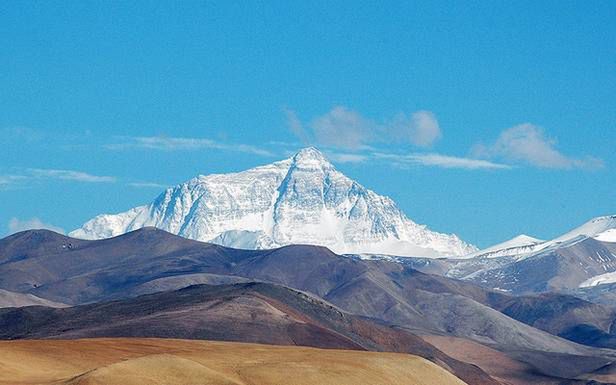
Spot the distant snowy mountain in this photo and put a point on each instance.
(599, 228)
(583, 257)
(301, 200)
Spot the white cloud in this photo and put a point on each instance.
(344, 128)
(420, 128)
(165, 143)
(16, 225)
(527, 143)
(347, 158)
(442, 161)
(69, 175)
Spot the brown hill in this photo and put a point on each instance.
(182, 362)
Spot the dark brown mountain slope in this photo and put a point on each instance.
(71, 271)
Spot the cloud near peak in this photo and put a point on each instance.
(353, 138)
(344, 128)
(440, 161)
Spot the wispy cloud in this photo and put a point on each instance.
(338, 157)
(296, 127)
(527, 143)
(441, 161)
(147, 185)
(417, 159)
(10, 180)
(72, 175)
(38, 174)
(347, 129)
(165, 143)
(16, 225)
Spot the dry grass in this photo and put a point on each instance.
(135, 361)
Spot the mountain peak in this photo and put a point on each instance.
(301, 200)
(524, 239)
(310, 157)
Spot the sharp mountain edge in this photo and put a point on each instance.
(300, 200)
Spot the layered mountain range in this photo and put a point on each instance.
(300, 200)
(142, 284)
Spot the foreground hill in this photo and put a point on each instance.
(266, 313)
(247, 312)
(182, 362)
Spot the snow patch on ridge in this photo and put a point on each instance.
(600, 279)
(606, 236)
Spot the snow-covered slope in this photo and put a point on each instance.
(606, 236)
(301, 200)
(600, 279)
(591, 229)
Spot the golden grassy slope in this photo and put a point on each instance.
(137, 361)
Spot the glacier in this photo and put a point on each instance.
(300, 200)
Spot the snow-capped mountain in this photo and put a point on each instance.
(583, 257)
(599, 228)
(301, 200)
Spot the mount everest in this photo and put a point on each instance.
(300, 200)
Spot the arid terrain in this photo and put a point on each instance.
(138, 361)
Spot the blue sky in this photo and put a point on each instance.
(487, 119)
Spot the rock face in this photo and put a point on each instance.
(301, 200)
